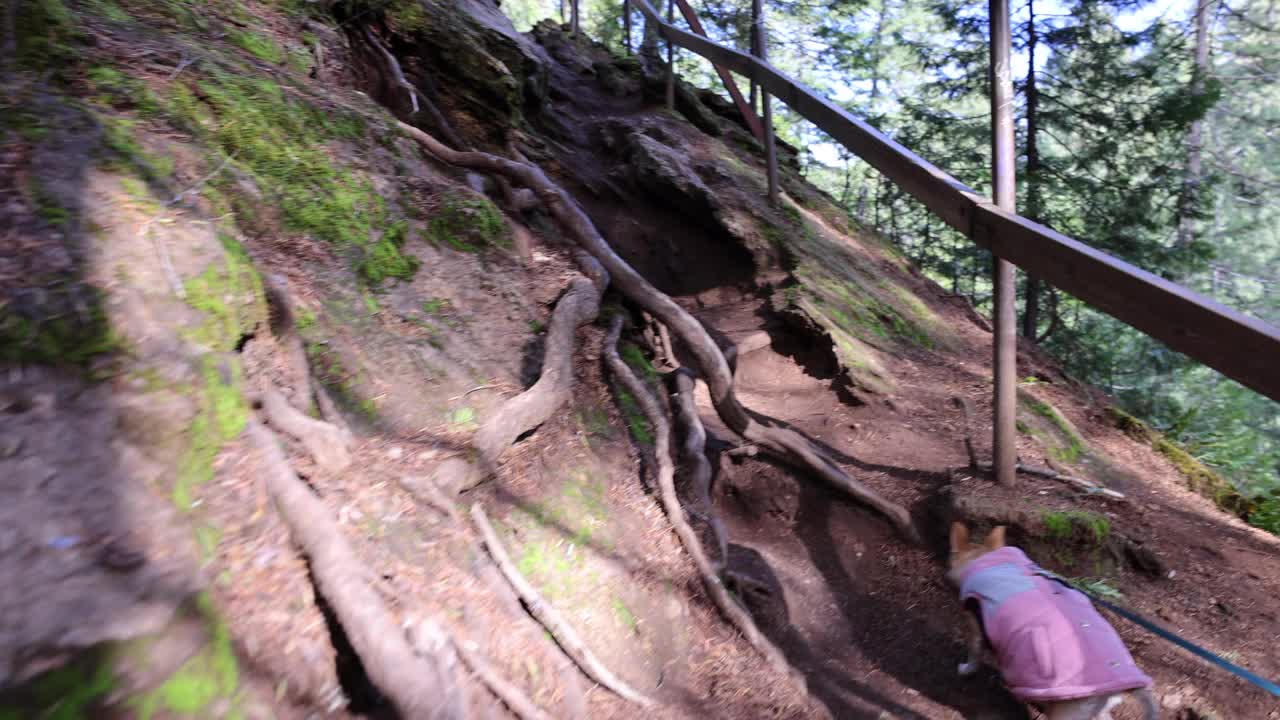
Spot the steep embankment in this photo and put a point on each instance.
(212, 215)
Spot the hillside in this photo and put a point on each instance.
(218, 236)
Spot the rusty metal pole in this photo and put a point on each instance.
(626, 26)
(766, 104)
(1005, 440)
(671, 58)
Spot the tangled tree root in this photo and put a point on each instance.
(692, 450)
(766, 433)
(562, 631)
(324, 442)
(419, 686)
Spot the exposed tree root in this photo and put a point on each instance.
(425, 491)
(324, 442)
(528, 410)
(418, 686)
(285, 327)
(966, 410)
(565, 635)
(507, 692)
(780, 441)
(696, 461)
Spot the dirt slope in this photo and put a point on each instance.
(164, 163)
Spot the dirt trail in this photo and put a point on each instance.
(868, 619)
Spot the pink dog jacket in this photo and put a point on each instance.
(1050, 641)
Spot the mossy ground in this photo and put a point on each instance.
(1197, 475)
(1044, 422)
(469, 223)
(1079, 524)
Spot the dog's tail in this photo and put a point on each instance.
(1147, 699)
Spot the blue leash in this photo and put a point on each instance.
(1194, 649)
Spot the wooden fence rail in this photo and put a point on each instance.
(1241, 347)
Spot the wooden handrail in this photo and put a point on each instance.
(1243, 348)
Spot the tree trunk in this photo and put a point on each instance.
(1195, 134)
(1035, 202)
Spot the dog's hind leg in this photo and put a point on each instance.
(1147, 699)
(1112, 701)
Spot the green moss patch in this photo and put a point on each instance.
(279, 143)
(220, 417)
(1076, 524)
(260, 46)
(1063, 443)
(231, 298)
(212, 675)
(469, 223)
(70, 329)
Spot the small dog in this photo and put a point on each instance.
(1052, 648)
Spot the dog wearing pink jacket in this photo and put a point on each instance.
(1051, 646)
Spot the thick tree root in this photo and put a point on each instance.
(418, 686)
(776, 439)
(324, 442)
(694, 459)
(565, 635)
(732, 611)
(528, 410)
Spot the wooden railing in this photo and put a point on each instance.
(1241, 347)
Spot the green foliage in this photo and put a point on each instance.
(468, 222)
(636, 420)
(1266, 514)
(632, 355)
(120, 91)
(1067, 524)
(71, 692)
(44, 31)
(261, 46)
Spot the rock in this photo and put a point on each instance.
(662, 172)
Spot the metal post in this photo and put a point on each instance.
(671, 59)
(626, 25)
(766, 103)
(1005, 440)
(753, 45)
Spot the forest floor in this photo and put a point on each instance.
(865, 616)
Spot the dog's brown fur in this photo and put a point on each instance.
(963, 552)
